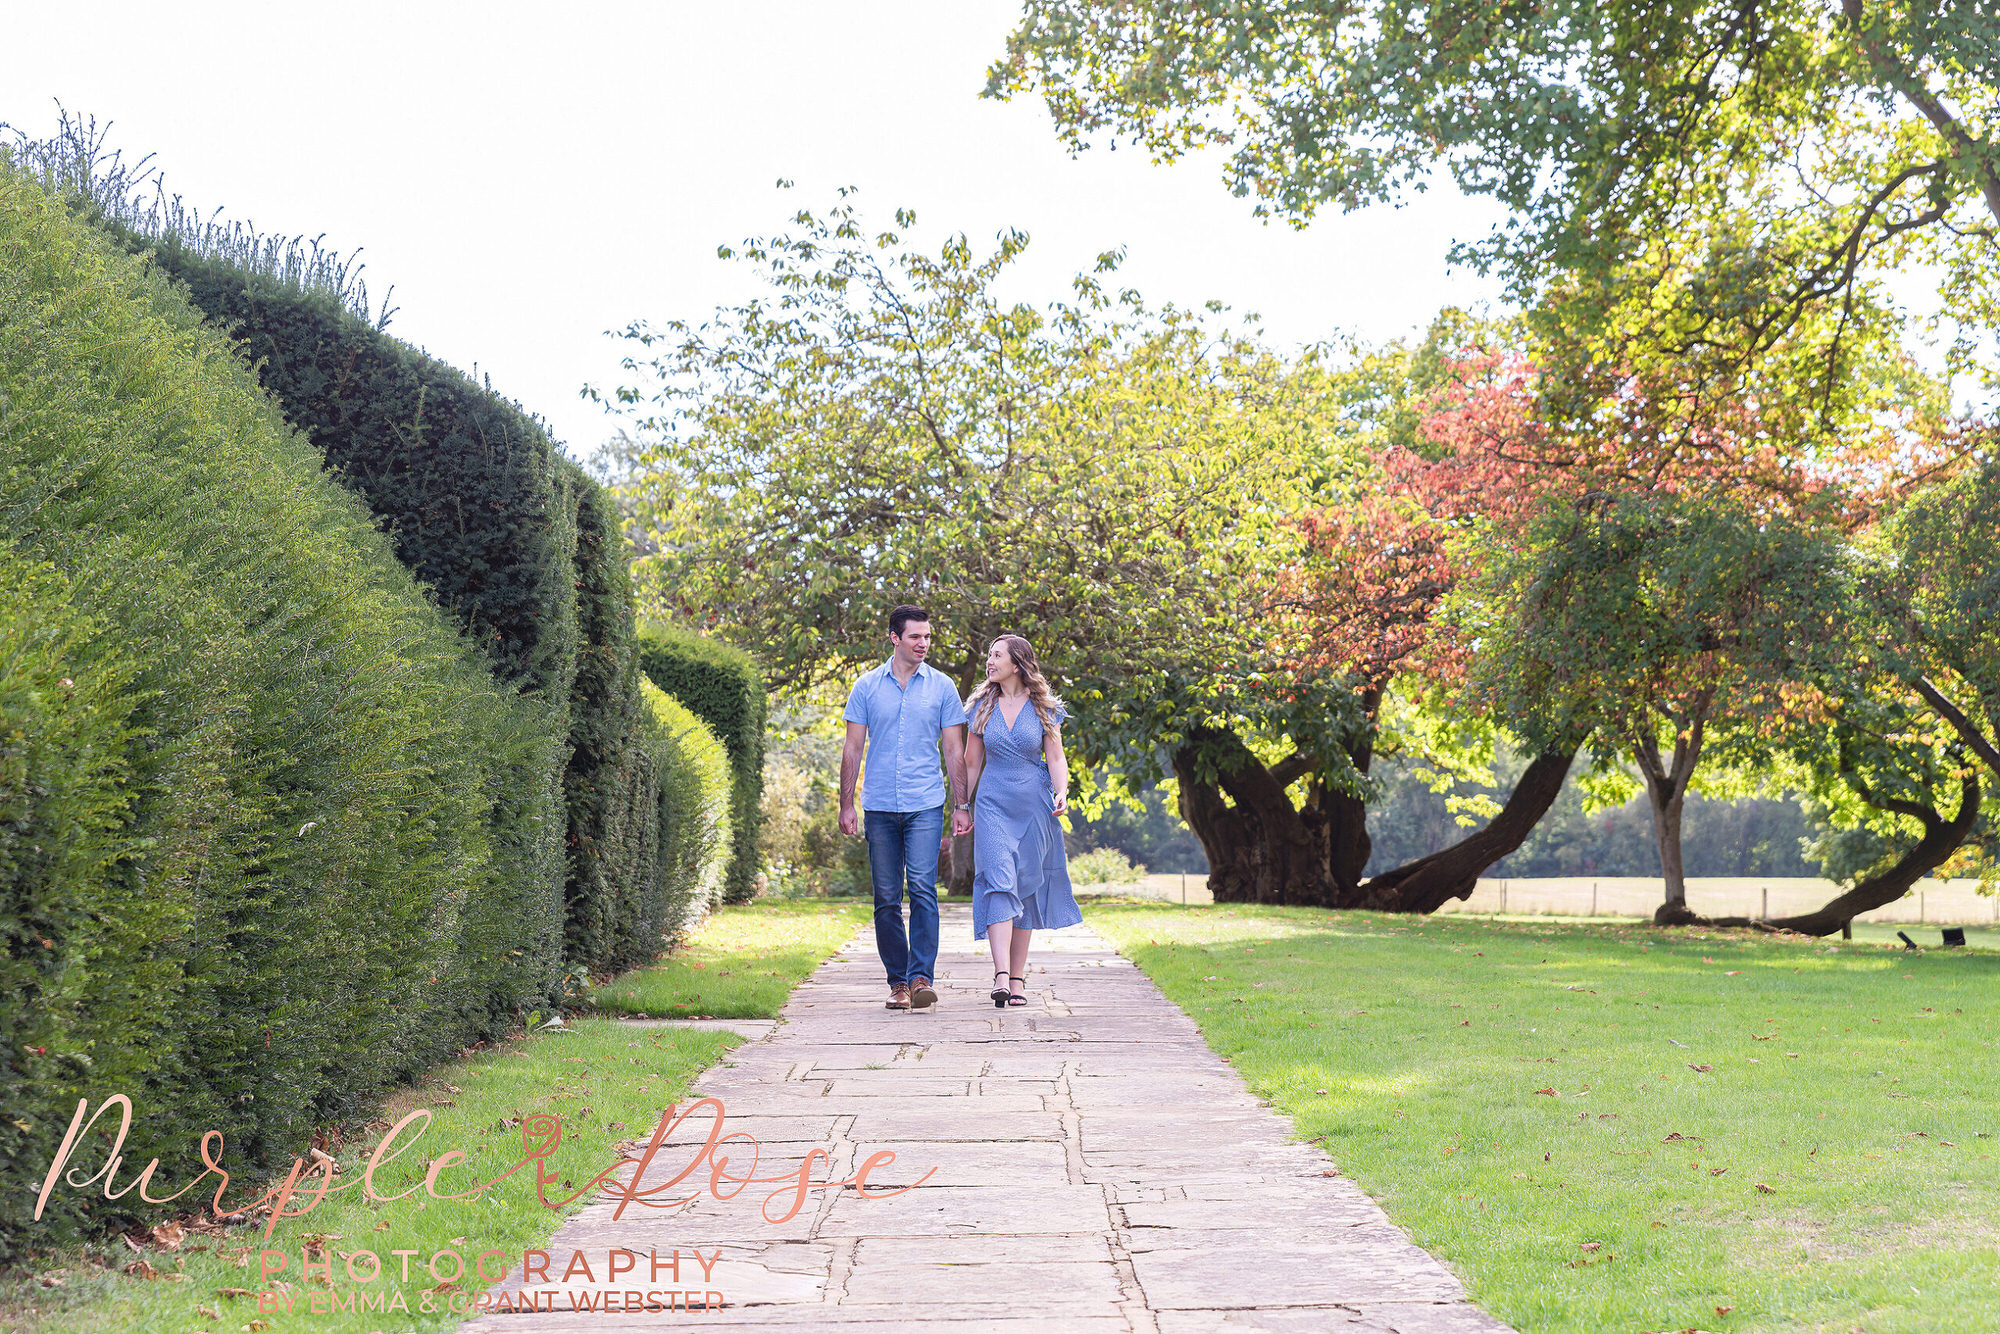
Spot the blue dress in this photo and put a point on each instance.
(1020, 871)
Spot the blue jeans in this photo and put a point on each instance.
(903, 850)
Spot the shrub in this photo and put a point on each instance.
(696, 806)
(611, 787)
(1104, 866)
(482, 506)
(724, 687)
(305, 893)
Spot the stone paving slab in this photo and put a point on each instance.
(1094, 1169)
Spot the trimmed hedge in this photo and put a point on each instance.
(611, 787)
(506, 531)
(724, 687)
(271, 835)
(695, 801)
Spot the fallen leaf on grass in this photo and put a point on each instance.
(1700, 1069)
(141, 1269)
(1762, 1037)
(1724, 1310)
(1593, 1245)
(1763, 1189)
(1717, 1171)
(1550, 1092)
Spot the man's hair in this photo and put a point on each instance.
(903, 615)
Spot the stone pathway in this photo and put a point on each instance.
(1098, 1170)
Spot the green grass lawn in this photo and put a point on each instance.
(742, 964)
(1615, 1128)
(608, 1082)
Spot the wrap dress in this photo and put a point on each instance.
(1020, 870)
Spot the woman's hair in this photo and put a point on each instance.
(1039, 694)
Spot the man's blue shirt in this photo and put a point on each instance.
(900, 771)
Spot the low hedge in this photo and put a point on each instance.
(695, 812)
(301, 891)
(723, 685)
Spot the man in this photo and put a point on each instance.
(901, 712)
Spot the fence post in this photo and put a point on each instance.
(1766, 916)
(1593, 898)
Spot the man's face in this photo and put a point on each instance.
(915, 641)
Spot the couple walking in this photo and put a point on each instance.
(1009, 782)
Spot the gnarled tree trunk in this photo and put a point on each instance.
(1941, 838)
(1262, 849)
(1428, 883)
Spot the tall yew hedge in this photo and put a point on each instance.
(506, 531)
(724, 687)
(266, 810)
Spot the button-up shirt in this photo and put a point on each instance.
(905, 723)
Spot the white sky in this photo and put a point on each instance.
(529, 176)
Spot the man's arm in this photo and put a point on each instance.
(954, 767)
(850, 770)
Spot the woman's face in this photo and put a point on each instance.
(1000, 667)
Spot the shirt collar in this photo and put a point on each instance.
(888, 668)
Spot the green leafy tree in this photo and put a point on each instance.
(1736, 169)
(1669, 627)
(1109, 480)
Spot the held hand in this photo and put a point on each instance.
(961, 823)
(1061, 804)
(850, 821)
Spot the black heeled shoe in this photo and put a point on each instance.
(999, 994)
(1012, 999)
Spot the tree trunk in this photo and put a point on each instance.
(1261, 849)
(1941, 838)
(958, 877)
(1667, 800)
(1666, 794)
(1428, 883)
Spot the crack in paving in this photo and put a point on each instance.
(1093, 1168)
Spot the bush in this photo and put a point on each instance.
(506, 532)
(1104, 866)
(306, 892)
(724, 687)
(695, 803)
(610, 783)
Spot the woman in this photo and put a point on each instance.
(1019, 781)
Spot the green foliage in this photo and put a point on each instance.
(611, 789)
(1769, 164)
(724, 687)
(1108, 480)
(482, 506)
(696, 797)
(308, 892)
(1104, 866)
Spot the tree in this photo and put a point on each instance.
(1665, 625)
(1733, 169)
(1943, 589)
(1108, 480)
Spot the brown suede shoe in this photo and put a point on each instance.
(899, 997)
(922, 997)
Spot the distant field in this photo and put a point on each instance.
(1932, 902)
